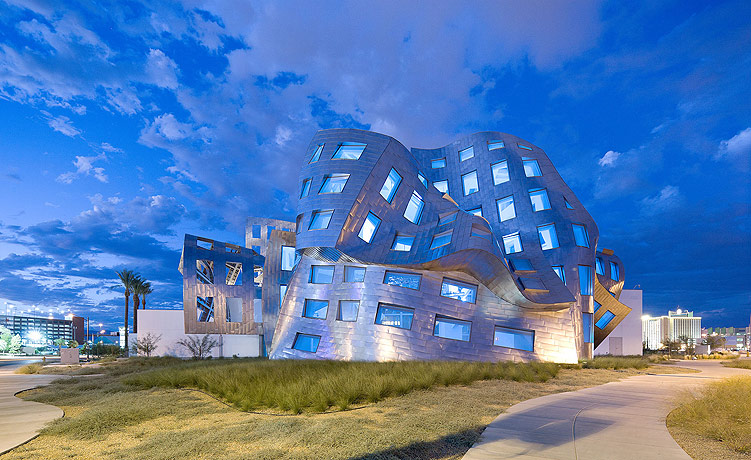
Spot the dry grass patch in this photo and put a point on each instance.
(740, 364)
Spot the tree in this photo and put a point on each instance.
(671, 346)
(145, 290)
(9, 343)
(715, 341)
(140, 289)
(72, 344)
(60, 343)
(148, 344)
(128, 280)
(199, 348)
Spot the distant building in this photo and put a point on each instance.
(39, 331)
(626, 338)
(656, 331)
(736, 338)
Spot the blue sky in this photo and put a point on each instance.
(126, 124)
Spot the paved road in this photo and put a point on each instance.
(618, 420)
(11, 363)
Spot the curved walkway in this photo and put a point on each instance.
(618, 420)
(22, 420)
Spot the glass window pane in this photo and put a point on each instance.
(580, 235)
(469, 181)
(334, 183)
(306, 342)
(539, 198)
(282, 293)
(447, 219)
(390, 315)
(369, 227)
(525, 147)
(512, 243)
(349, 151)
(459, 290)
(438, 163)
(548, 236)
(442, 239)
(605, 319)
(587, 330)
(598, 266)
(597, 306)
(519, 339)
(585, 280)
(615, 274)
(354, 274)
(288, 258)
(389, 187)
(476, 211)
(466, 154)
(568, 205)
(320, 220)
(450, 328)
(558, 269)
(407, 280)
(506, 209)
(531, 168)
(442, 186)
(402, 243)
(269, 229)
(303, 193)
(322, 274)
(315, 308)
(317, 154)
(500, 172)
(422, 179)
(414, 208)
(348, 310)
(234, 309)
(256, 229)
(495, 145)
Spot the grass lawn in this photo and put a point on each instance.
(133, 410)
(715, 424)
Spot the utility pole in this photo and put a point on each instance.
(88, 347)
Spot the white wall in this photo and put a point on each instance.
(170, 324)
(629, 330)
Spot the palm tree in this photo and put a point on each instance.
(128, 279)
(139, 289)
(146, 289)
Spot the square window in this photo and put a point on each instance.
(580, 235)
(233, 273)
(451, 328)
(388, 190)
(605, 319)
(289, 258)
(303, 193)
(320, 220)
(512, 243)
(558, 269)
(506, 209)
(466, 154)
(476, 211)
(548, 236)
(205, 309)
(441, 239)
(334, 183)
(539, 199)
(306, 342)
(520, 339)
(354, 274)
(349, 151)
(406, 280)
(442, 186)
(587, 329)
(598, 266)
(234, 309)
(459, 290)
(317, 154)
(438, 163)
(422, 180)
(414, 208)
(469, 182)
(585, 280)
(500, 172)
(322, 274)
(531, 168)
(369, 227)
(391, 315)
(205, 271)
(348, 310)
(615, 273)
(403, 243)
(495, 145)
(315, 309)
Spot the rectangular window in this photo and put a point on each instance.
(334, 183)
(349, 151)
(282, 292)
(512, 243)
(306, 342)
(233, 273)
(256, 231)
(320, 220)
(520, 339)
(480, 231)
(403, 243)
(442, 186)
(466, 154)
(205, 309)
(585, 280)
(305, 191)
(205, 244)
(369, 228)
(558, 269)
(548, 236)
(441, 239)
(598, 266)
(348, 310)
(316, 309)
(506, 209)
(407, 280)
(269, 229)
(525, 147)
(580, 235)
(450, 328)
(605, 319)
(587, 330)
(459, 290)
(354, 274)
(531, 168)
(205, 271)
(438, 163)
(539, 199)
(391, 315)
(469, 182)
(476, 211)
(414, 208)
(234, 309)
(447, 219)
(500, 172)
(422, 180)
(495, 145)
(322, 274)
(597, 306)
(317, 154)
(388, 190)
(521, 265)
(615, 274)
(289, 258)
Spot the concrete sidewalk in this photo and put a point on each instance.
(618, 420)
(21, 420)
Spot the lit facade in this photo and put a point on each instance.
(672, 327)
(42, 331)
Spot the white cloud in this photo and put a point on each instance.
(668, 198)
(609, 158)
(738, 145)
(62, 124)
(283, 134)
(162, 70)
(85, 167)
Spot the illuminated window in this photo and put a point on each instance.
(539, 199)
(587, 329)
(403, 243)
(349, 151)
(303, 194)
(389, 187)
(585, 280)
(615, 273)
(476, 211)
(548, 237)
(495, 145)
(289, 258)
(597, 306)
(451, 328)
(442, 186)
(438, 163)
(320, 220)
(369, 227)
(598, 266)
(466, 154)
(459, 290)
(531, 168)
(520, 339)
(500, 172)
(469, 182)
(605, 319)
(334, 183)
(506, 209)
(317, 154)
(391, 315)
(414, 208)
(512, 243)
(580, 235)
